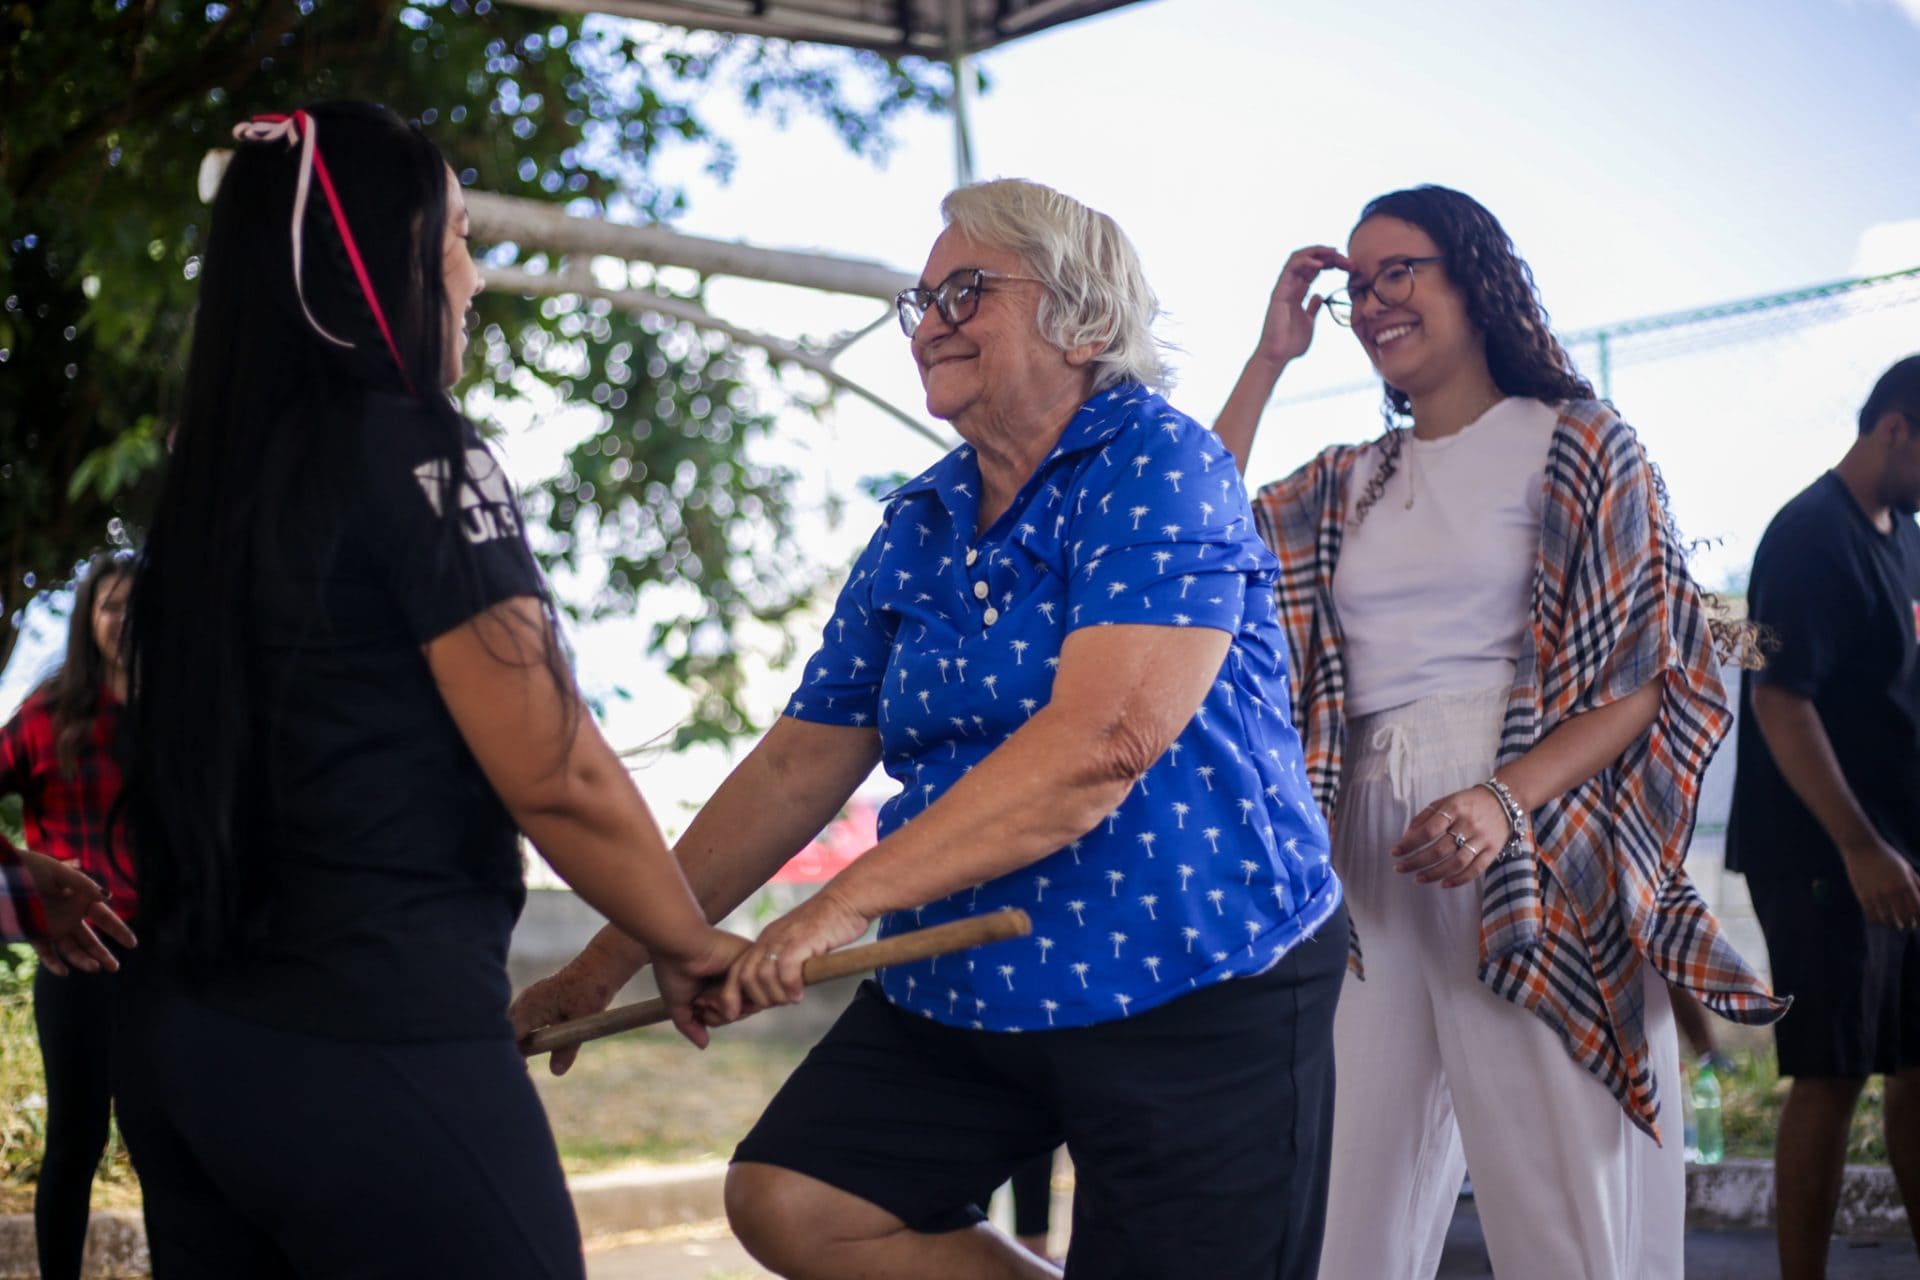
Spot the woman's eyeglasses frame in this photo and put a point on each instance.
(1398, 276)
(957, 298)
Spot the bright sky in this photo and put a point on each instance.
(1646, 157)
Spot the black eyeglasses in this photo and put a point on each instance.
(957, 298)
(1393, 286)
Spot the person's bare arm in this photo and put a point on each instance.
(1883, 880)
(565, 787)
(570, 794)
(1122, 695)
(1284, 337)
(1577, 749)
(789, 787)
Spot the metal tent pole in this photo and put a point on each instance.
(957, 60)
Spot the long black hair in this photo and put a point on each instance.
(1502, 302)
(74, 690)
(258, 432)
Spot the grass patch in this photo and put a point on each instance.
(1751, 1095)
(23, 1102)
(651, 1097)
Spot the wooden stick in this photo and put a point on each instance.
(902, 948)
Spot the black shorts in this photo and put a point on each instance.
(1855, 985)
(1200, 1130)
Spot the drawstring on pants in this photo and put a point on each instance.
(1393, 738)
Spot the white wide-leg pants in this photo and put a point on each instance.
(1437, 1075)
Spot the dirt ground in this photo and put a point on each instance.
(651, 1096)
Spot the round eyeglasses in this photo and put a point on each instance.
(957, 298)
(1393, 286)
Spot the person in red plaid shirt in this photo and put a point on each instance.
(57, 755)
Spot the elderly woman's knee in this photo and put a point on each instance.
(772, 1209)
(795, 1224)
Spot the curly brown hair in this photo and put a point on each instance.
(1524, 357)
(1503, 303)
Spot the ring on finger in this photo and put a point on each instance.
(773, 956)
(1459, 841)
(1444, 814)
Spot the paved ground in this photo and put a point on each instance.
(1711, 1255)
(698, 1251)
(706, 1252)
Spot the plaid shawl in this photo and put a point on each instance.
(1563, 933)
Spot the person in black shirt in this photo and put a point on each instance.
(347, 701)
(1826, 808)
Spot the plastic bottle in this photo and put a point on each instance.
(1708, 1145)
(1690, 1135)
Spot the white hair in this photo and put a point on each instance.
(1096, 291)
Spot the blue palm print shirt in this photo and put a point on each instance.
(1215, 864)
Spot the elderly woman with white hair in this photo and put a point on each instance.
(1062, 645)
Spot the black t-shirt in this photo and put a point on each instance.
(389, 874)
(1843, 600)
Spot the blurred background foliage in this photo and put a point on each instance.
(109, 108)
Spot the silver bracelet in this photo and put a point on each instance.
(1517, 826)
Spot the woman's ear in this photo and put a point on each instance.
(1083, 355)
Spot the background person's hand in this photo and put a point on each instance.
(76, 906)
(1428, 850)
(1288, 329)
(1885, 883)
(768, 973)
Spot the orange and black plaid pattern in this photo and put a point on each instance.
(1563, 933)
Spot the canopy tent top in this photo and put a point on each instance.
(893, 27)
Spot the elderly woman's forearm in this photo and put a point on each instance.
(1122, 695)
(789, 787)
(1045, 787)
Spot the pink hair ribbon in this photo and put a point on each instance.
(301, 128)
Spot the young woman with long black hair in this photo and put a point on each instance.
(348, 698)
(58, 754)
(1506, 682)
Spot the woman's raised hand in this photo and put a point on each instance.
(1288, 330)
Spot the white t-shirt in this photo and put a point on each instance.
(1433, 597)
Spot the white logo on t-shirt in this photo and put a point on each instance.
(486, 500)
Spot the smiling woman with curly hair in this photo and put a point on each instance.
(1506, 683)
